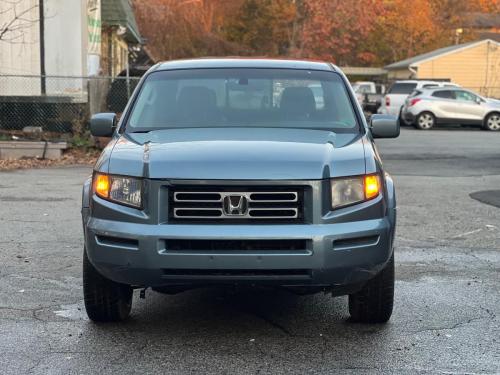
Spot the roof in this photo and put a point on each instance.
(414, 61)
(120, 13)
(441, 88)
(244, 63)
(480, 20)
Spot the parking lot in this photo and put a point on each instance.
(447, 308)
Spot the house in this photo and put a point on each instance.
(119, 34)
(474, 65)
(45, 38)
(48, 48)
(484, 25)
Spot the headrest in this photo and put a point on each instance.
(298, 102)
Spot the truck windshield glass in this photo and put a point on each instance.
(402, 88)
(243, 98)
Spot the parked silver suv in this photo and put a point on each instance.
(427, 107)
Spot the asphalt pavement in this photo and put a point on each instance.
(447, 308)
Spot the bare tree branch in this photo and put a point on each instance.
(14, 29)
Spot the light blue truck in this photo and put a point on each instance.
(240, 172)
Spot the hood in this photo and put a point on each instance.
(238, 154)
(494, 102)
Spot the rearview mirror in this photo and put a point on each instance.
(103, 124)
(384, 126)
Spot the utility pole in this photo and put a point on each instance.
(42, 48)
(458, 32)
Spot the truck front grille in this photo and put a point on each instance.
(236, 204)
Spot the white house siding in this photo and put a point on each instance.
(65, 50)
(20, 55)
(65, 45)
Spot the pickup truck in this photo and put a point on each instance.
(240, 172)
(369, 95)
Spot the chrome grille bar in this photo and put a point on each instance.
(258, 205)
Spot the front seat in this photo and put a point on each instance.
(297, 103)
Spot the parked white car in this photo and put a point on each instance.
(449, 105)
(394, 100)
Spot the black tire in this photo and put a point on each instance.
(492, 122)
(425, 121)
(400, 118)
(105, 300)
(373, 303)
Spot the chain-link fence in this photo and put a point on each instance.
(58, 106)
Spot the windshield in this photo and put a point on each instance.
(243, 98)
(402, 88)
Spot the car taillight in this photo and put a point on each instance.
(414, 101)
(387, 101)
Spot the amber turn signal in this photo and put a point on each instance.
(101, 185)
(372, 186)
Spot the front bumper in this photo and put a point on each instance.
(339, 255)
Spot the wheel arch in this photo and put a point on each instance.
(489, 114)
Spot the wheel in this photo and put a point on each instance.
(425, 121)
(105, 300)
(373, 303)
(492, 122)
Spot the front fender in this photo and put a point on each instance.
(391, 202)
(391, 191)
(86, 191)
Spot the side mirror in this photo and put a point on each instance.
(384, 126)
(103, 124)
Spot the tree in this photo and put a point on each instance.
(333, 29)
(265, 27)
(184, 28)
(18, 16)
(487, 6)
(347, 32)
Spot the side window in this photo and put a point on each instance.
(465, 96)
(444, 94)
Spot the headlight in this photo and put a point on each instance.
(119, 189)
(352, 190)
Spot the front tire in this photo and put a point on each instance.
(425, 121)
(105, 300)
(492, 122)
(374, 303)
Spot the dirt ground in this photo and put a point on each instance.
(73, 156)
